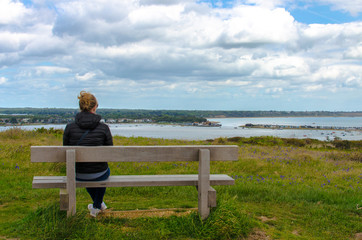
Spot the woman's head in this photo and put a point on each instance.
(87, 102)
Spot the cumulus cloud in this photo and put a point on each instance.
(178, 47)
(354, 52)
(354, 7)
(12, 12)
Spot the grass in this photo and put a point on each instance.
(284, 189)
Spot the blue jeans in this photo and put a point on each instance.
(97, 194)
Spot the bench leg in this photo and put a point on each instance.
(204, 183)
(70, 157)
(64, 199)
(212, 197)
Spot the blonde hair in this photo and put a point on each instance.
(87, 101)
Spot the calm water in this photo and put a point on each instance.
(298, 121)
(231, 128)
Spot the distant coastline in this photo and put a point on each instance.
(66, 115)
(290, 117)
(230, 127)
(302, 127)
(339, 114)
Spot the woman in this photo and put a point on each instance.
(87, 130)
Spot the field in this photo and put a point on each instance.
(285, 189)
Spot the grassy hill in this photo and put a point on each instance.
(285, 189)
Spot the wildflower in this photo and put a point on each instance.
(17, 167)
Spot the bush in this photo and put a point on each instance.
(294, 142)
(50, 131)
(342, 144)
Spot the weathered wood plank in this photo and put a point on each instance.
(204, 183)
(212, 197)
(134, 153)
(134, 181)
(64, 199)
(71, 185)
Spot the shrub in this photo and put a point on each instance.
(50, 131)
(341, 144)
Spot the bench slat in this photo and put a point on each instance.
(133, 181)
(134, 153)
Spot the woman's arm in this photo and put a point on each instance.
(66, 136)
(109, 139)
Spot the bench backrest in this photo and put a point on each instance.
(133, 153)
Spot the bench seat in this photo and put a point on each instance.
(133, 181)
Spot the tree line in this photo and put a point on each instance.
(179, 116)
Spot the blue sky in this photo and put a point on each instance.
(204, 55)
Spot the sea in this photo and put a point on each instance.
(234, 127)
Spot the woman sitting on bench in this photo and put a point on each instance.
(87, 130)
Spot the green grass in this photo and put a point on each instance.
(284, 189)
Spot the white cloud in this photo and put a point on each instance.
(12, 12)
(3, 80)
(255, 25)
(310, 88)
(13, 42)
(282, 66)
(50, 70)
(354, 52)
(155, 16)
(85, 77)
(354, 7)
(268, 4)
(274, 90)
(177, 47)
(229, 83)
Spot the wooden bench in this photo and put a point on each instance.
(71, 154)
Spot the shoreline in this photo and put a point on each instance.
(305, 128)
(290, 117)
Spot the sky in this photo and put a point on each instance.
(281, 55)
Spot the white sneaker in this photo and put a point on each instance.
(93, 211)
(103, 206)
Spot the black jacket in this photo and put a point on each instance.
(98, 135)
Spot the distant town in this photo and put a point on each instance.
(23, 116)
(16, 120)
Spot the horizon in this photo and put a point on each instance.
(210, 110)
(250, 55)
